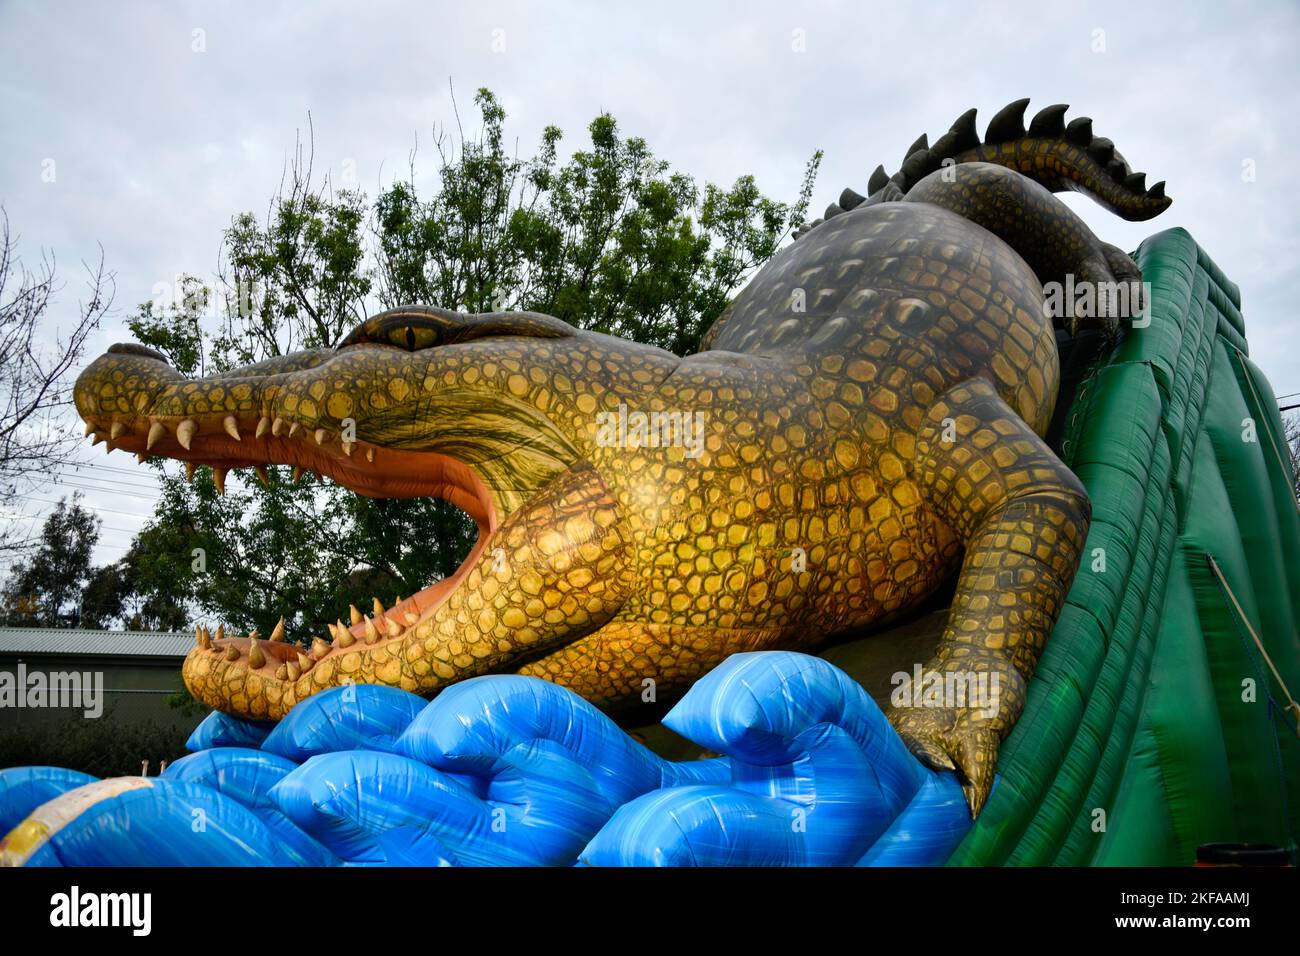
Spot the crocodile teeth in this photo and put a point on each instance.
(221, 632)
(293, 429)
(98, 438)
(185, 432)
(231, 425)
(90, 429)
(276, 426)
(293, 670)
(320, 436)
(305, 663)
(201, 638)
(262, 476)
(392, 627)
(156, 431)
(411, 617)
(232, 653)
(319, 647)
(297, 473)
(115, 430)
(282, 672)
(277, 632)
(379, 607)
(256, 657)
(370, 454)
(357, 616)
(347, 448)
(263, 426)
(342, 636)
(219, 479)
(372, 632)
(189, 471)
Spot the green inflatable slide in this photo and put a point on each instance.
(1162, 714)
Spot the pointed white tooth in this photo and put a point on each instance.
(263, 426)
(347, 448)
(156, 431)
(116, 430)
(219, 479)
(393, 628)
(185, 432)
(276, 426)
(370, 454)
(293, 429)
(320, 436)
(231, 424)
(277, 632)
(90, 429)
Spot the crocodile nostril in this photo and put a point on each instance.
(134, 348)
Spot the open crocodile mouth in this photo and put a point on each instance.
(251, 440)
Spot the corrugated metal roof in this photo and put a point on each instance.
(90, 642)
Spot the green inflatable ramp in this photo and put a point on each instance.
(1161, 714)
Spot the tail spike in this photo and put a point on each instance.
(1079, 131)
(1049, 122)
(878, 179)
(1008, 123)
(965, 133)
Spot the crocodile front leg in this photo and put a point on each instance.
(1023, 517)
(557, 569)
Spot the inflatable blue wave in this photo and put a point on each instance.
(514, 771)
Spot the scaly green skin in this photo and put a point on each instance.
(871, 410)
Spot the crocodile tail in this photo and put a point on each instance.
(1054, 153)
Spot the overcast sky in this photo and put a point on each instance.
(163, 119)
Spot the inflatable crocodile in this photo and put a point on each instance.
(865, 417)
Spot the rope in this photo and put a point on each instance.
(1223, 583)
(1272, 441)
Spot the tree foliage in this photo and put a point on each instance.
(45, 589)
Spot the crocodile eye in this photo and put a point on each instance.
(410, 338)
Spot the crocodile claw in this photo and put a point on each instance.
(953, 739)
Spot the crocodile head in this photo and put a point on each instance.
(490, 412)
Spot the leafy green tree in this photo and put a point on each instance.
(44, 589)
(611, 239)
